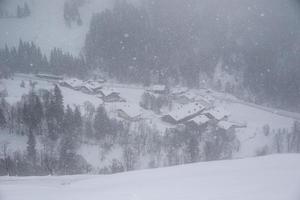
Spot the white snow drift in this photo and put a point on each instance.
(274, 177)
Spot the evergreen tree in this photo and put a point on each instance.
(20, 13)
(68, 122)
(89, 131)
(294, 145)
(2, 119)
(102, 123)
(54, 113)
(59, 103)
(26, 10)
(31, 150)
(32, 112)
(77, 120)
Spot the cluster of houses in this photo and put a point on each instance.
(93, 87)
(197, 115)
(191, 109)
(197, 110)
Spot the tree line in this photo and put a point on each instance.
(22, 11)
(28, 58)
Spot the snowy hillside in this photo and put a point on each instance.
(274, 177)
(252, 119)
(45, 26)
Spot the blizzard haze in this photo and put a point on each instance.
(150, 99)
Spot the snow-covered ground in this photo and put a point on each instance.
(71, 97)
(275, 177)
(252, 138)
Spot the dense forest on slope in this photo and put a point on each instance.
(181, 43)
(250, 48)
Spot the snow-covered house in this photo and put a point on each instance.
(199, 121)
(217, 114)
(94, 85)
(86, 89)
(179, 90)
(100, 80)
(130, 112)
(109, 95)
(158, 89)
(73, 83)
(228, 125)
(184, 113)
(113, 97)
(185, 97)
(91, 87)
(182, 99)
(49, 76)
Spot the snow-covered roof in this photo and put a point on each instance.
(100, 80)
(179, 90)
(158, 88)
(218, 113)
(131, 110)
(200, 119)
(52, 76)
(93, 85)
(190, 95)
(204, 102)
(87, 88)
(74, 82)
(108, 91)
(187, 110)
(226, 124)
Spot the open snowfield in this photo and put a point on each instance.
(275, 177)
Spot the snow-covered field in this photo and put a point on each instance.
(275, 177)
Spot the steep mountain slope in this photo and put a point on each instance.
(252, 137)
(274, 177)
(45, 26)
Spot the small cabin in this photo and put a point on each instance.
(217, 114)
(87, 90)
(179, 91)
(130, 113)
(73, 83)
(112, 97)
(158, 89)
(184, 113)
(49, 77)
(199, 121)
